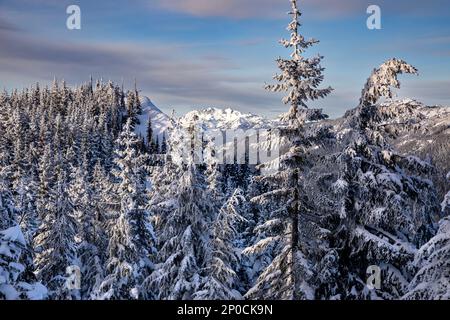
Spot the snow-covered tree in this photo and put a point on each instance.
(132, 241)
(380, 84)
(152, 142)
(445, 205)
(185, 240)
(300, 76)
(134, 107)
(8, 210)
(284, 220)
(384, 203)
(223, 256)
(185, 235)
(432, 280)
(12, 287)
(55, 242)
(90, 231)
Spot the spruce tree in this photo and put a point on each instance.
(387, 203)
(221, 281)
(131, 247)
(55, 242)
(281, 230)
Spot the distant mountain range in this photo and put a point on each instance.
(410, 127)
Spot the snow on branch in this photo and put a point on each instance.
(300, 77)
(383, 79)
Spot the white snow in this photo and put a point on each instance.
(228, 119)
(13, 234)
(160, 121)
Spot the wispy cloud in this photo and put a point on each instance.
(433, 91)
(6, 25)
(175, 78)
(186, 62)
(241, 9)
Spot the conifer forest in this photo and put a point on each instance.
(103, 196)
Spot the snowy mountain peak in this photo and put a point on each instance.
(224, 119)
(160, 121)
(146, 102)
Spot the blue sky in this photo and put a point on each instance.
(189, 54)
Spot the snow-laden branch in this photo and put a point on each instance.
(383, 79)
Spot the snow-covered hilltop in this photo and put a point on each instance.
(160, 121)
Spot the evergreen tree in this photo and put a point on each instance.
(164, 145)
(300, 76)
(152, 145)
(184, 236)
(432, 281)
(8, 212)
(55, 243)
(223, 259)
(89, 232)
(280, 232)
(131, 245)
(387, 202)
(185, 240)
(12, 286)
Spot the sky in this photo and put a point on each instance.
(191, 54)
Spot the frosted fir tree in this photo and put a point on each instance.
(8, 211)
(300, 76)
(223, 257)
(185, 240)
(27, 219)
(26, 198)
(12, 286)
(385, 203)
(55, 244)
(131, 247)
(432, 281)
(164, 144)
(46, 180)
(184, 233)
(90, 230)
(278, 256)
(446, 204)
(432, 262)
(152, 142)
(380, 84)
(133, 105)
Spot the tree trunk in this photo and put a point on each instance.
(295, 234)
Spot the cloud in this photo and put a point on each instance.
(323, 9)
(166, 72)
(431, 91)
(223, 8)
(242, 9)
(6, 25)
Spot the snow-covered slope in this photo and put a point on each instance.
(160, 121)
